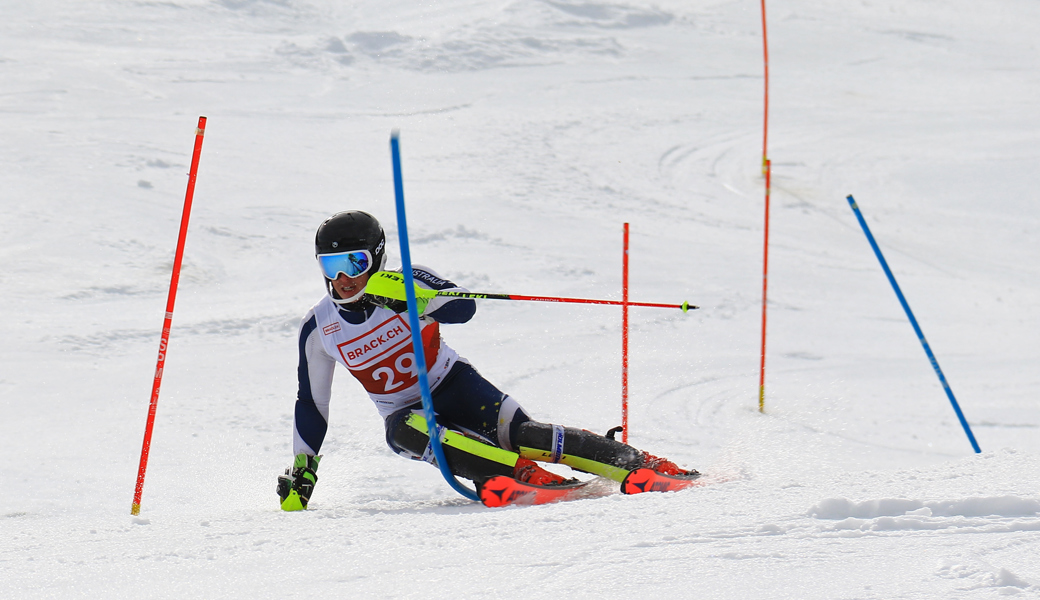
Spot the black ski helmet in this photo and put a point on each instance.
(351, 230)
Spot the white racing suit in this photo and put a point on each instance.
(375, 345)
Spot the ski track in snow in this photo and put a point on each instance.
(530, 132)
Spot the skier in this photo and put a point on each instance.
(371, 337)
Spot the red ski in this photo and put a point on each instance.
(648, 480)
(505, 491)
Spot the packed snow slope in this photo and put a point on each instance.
(531, 131)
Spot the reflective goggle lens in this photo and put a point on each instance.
(352, 264)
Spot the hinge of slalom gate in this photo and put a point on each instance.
(427, 455)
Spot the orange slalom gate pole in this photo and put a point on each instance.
(765, 119)
(624, 340)
(200, 131)
(767, 172)
(765, 281)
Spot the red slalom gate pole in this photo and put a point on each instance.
(200, 131)
(765, 281)
(624, 340)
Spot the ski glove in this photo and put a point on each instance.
(296, 486)
(398, 306)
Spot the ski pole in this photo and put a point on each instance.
(200, 131)
(391, 285)
(685, 306)
(433, 431)
(913, 321)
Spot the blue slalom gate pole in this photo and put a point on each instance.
(913, 321)
(413, 322)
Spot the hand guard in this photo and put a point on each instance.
(297, 485)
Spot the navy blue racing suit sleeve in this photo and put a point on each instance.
(310, 425)
(444, 309)
(311, 416)
(456, 311)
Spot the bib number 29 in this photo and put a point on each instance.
(403, 372)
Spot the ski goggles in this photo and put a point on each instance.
(352, 264)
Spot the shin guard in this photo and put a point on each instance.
(578, 449)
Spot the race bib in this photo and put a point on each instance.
(383, 359)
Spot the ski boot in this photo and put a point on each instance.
(665, 466)
(296, 486)
(528, 472)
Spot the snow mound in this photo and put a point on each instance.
(1000, 506)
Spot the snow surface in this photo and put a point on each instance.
(531, 130)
